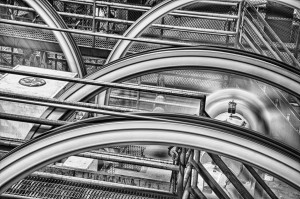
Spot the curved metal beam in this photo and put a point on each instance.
(144, 22)
(157, 12)
(199, 58)
(194, 132)
(65, 40)
(291, 3)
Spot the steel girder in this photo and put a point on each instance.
(194, 132)
(157, 12)
(65, 40)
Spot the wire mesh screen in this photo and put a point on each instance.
(180, 79)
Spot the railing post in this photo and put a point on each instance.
(94, 23)
(238, 24)
(194, 172)
(181, 173)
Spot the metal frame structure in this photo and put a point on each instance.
(217, 138)
(202, 58)
(157, 12)
(65, 40)
(242, 144)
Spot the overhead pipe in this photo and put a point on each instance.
(129, 160)
(150, 89)
(154, 41)
(29, 119)
(160, 26)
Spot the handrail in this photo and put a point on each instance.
(146, 8)
(274, 35)
(260, 36)
(255, 27)
(160, 26)
(151, 89)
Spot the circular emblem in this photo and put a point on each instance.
(32, 81)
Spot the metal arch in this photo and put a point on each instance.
(144, 22)
(218, 137)
(65, 40)
(292, 3)
(156, 13)
(202, 58)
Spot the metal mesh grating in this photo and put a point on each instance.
(38, 187)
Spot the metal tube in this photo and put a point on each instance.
(21, 118)
(201, 15)
(129, 160)
(260, 181)
(295, 61)
(180, 188)
(275, 157)
(168, 27)
(137, 158)
(250, 44)
(296, 50)
(26, 24)
(267, 38)
(175, 13)
(231, 176)
(194, 190)
(66, 41)
(59, 103)
(150, 89)
(209, 180)
(202, 106)
(96, 182)
(11, 142)
(188, 171)
(94, 23)
(194, 30)
(238, 24)
(262, 39)
(194, 172)
(12, 196)
(62, 104)
(152, 101)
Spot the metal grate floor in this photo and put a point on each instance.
(39, 187)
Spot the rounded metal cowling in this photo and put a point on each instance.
(194, 132)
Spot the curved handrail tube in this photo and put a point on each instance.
(234, 61)
(202, 58)
(65, 40)
(194, 132)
